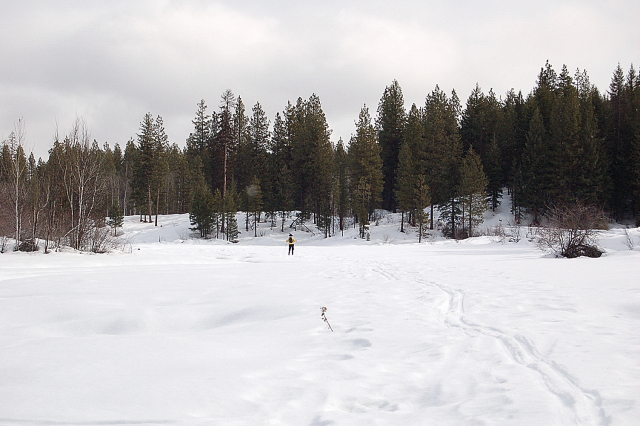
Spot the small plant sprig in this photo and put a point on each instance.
(324, 317)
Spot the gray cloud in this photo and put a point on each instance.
(111, 62)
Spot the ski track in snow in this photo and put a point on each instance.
(584, 406)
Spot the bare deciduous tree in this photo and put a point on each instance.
(80, 167)
(15, 170)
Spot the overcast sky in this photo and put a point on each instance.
(110, 62)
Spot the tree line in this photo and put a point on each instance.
(564, 142)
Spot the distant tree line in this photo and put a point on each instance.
(564, 142)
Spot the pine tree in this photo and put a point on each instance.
(160, 165)
(617, 137)
(623, 143)
(143, 170)
(390, 124)
(230, 210)
(202, 210)
(254, 197)
(591, 181)
(564, 133)
(246, 158)
(223, 146)
(312, 157)
(198, 141)
(116, 218)
(422, 201)
(473, 185)
(537, 169)
(412, 164)
(476, 129)
(280, 160)
(406, 183)
(494, 174)
(512, 139)
(365, 162)
(444, 155)
(341, 181)
(361, 199)
(132, 192)
(218, 212)
(633, 94)
(544, 93)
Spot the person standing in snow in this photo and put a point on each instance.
(291, 242)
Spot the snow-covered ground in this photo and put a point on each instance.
(191, 332)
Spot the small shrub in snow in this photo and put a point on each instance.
(324, 317)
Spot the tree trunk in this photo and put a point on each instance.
(157, 205)
(431, 225)
(149, 202)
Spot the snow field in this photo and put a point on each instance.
(210, 333)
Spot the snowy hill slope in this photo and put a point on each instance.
(177, 330)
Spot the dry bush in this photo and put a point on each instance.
(28, 245)
(515, 232)
(573, 231)
(493, 231)
(100, 240)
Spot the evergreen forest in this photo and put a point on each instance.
(563, 142)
